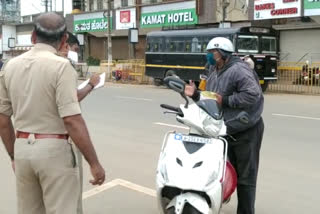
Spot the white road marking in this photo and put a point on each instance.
(137, 187)
(295, 116)
(170, 125)
(99, 189)
(108, 86)
(118, 182)
(134, 98)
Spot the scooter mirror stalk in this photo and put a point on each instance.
(178, 85)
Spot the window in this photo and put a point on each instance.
(124, 3)
(269, 44)
(26, 19)
(204, 44)
(172, 47)
(100, 5)
(91, 5)
(177, 45)
(154, 45)
(187, 47)
(196, 45)
(149, 1)
(248, 44)
(148, 47)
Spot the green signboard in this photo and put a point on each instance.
(311, 4)
(311, 7)
(91, 25)
(169, 18)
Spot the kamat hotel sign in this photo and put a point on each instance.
(311, 7)
(183, 13)
(276, 9)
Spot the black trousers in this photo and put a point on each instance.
(244, 155)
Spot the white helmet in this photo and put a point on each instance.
(220, 43)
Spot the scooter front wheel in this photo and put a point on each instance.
(188, 209)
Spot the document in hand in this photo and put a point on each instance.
(100, 84)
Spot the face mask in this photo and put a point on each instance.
(73, 56)
(210, 59)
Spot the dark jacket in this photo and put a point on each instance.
(240, 89)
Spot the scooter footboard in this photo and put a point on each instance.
(193, 199)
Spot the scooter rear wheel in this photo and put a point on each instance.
(188, 209)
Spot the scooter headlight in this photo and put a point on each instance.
(211, 126)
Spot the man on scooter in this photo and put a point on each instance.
(238, 90)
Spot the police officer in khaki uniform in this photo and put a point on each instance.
(39, 89)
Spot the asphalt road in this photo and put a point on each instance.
(124, 124)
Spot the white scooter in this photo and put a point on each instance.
(193, 174)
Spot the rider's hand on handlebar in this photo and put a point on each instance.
(190, 89)
(219, 99)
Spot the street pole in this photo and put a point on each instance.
(46, 5)
(63, 8)
(109, 37)
(225, 4)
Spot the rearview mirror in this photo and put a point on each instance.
(178, 85)
(175, 83)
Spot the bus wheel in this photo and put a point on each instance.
(170, 73)
(264, 86)
(157, 82)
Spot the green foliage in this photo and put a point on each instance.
(93, 61)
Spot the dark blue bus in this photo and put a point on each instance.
(183, 52)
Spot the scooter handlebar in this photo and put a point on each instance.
(172, 108)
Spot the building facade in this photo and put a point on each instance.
(147, 16)
(298, 22)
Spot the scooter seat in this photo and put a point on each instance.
(230, 181)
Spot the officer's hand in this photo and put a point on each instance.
(95, 79)
(190, 89)
(98, 174)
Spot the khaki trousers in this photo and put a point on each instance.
(79, 165)
(47, 178)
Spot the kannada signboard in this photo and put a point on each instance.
(311, 7)
(91, 22)
(175, 14)
(276, 9)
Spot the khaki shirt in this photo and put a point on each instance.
(39, 88)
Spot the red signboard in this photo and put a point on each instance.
(125, 16)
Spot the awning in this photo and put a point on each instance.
(99, 34)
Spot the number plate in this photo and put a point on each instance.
(192, 139)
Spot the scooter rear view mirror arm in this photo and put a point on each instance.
(186, 99)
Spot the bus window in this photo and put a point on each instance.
(180, 46)
(247, 44)
(172, 47)
(268, 44)
(196, 46)
(188, 47)
(148, 47)
(167, 45)
(204, 47)
(155, 47)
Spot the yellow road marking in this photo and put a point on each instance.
(175, 66)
